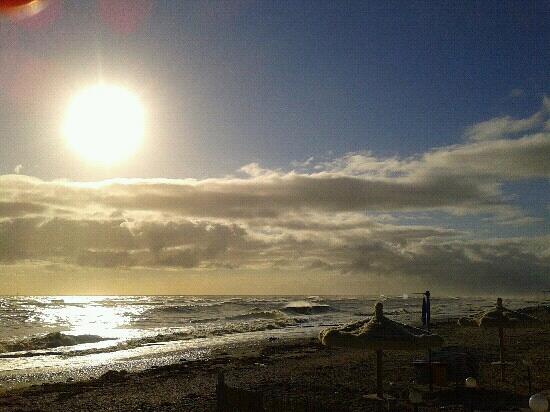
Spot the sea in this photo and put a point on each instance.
(64, 338)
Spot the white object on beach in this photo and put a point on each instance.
(471, 382)
(538, 402)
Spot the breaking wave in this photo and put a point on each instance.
(303, 307)
(48, 341)
(259, 314)
(190, 308)
(198, 332)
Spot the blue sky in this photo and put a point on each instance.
(237, 82)
(421, 128)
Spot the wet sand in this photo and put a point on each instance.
(297, 374)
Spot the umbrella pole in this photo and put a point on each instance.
(379, 384)
(430, 371)
(501, 344)
(426, 304)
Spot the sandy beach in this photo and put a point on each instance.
(297, 374)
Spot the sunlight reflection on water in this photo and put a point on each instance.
(88, 315)
(135, 332)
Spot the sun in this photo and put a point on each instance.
(105, 124)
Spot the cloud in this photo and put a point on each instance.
(257, 197)
(116, 242)
(463, 178)
(506, 126)
(512, 265)
(496, 160)
(186, 258)
(41, 237)
(104, 258)
(344, 216)
(320, 264)
(12, 209)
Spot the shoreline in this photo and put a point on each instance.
(288, 368)
(91, 364)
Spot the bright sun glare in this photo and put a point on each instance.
(104, 123)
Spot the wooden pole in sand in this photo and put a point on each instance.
(500, 308)
(379, 364)
(220, 392)
(428, 316)
(501, 344)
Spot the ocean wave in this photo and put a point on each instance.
(188, 308)
(258, 314)
(255, 314)
(194, 306)
(220, 330)
(174, 309)
(201, 331)
(255, 326)
(48, 341)
(204, 320)
(303, 307)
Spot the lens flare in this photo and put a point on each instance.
(22, 8)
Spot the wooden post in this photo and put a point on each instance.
(379, 382)
(428, 316)
(501, 343)
(220, 392)
(430, 371)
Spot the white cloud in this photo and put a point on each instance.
(337, 215)
(506, 126)
(497, 160)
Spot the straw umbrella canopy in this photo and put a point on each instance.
(501, 318)
(379, 334)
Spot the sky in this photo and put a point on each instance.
(304, 147)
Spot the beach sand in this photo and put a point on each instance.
(297, 374)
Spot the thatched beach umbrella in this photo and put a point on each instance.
(379, 334)
(501, 318)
